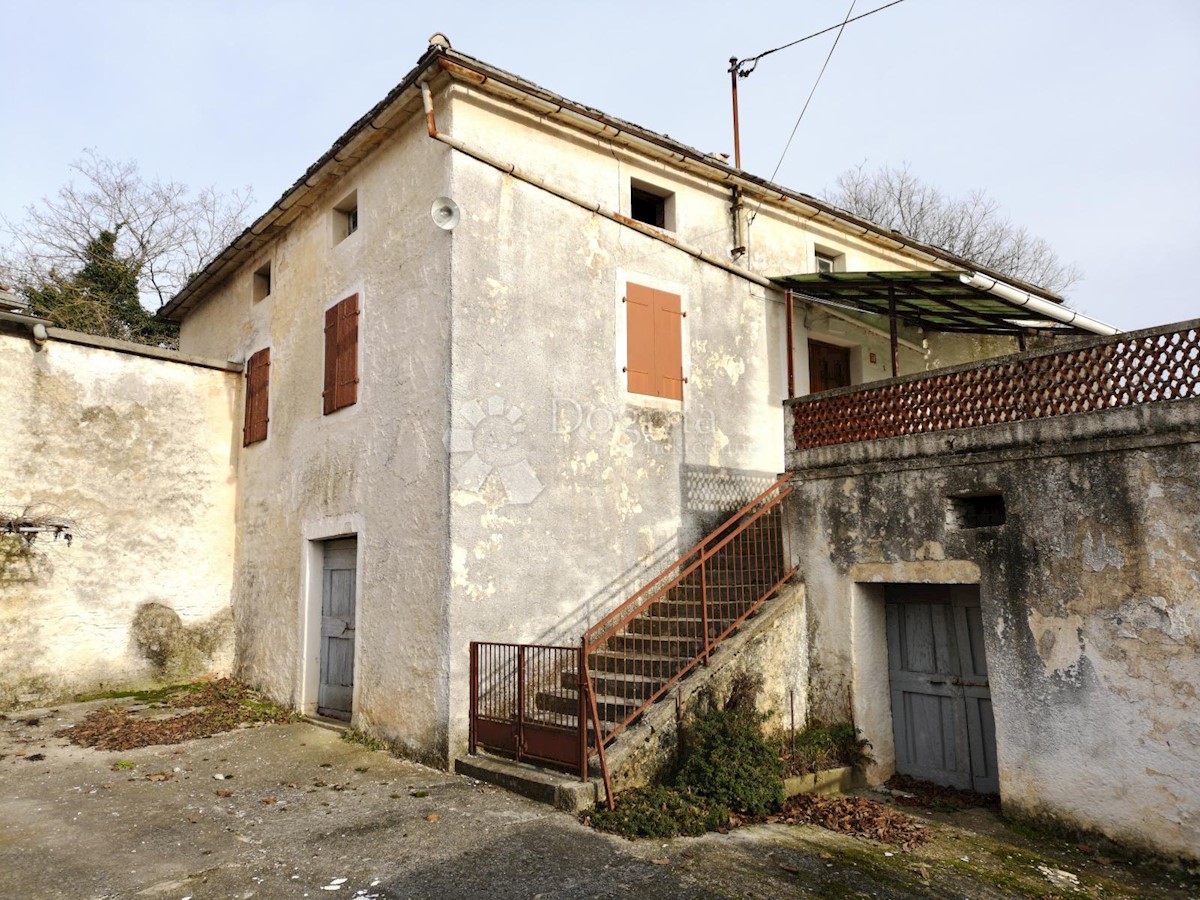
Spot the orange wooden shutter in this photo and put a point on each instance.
(654, 342)
(668, 345)
(347, 361)
(258, 381)
(329, 394)
(639, 334)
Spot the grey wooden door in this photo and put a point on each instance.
(941, 701)
(336, 692)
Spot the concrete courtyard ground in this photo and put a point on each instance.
(302, 813)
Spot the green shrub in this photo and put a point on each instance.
(725, 759)
(660, 812)
(825, 746)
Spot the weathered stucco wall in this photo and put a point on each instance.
(556, 520)
(138, 452)
(376, 469)
(780, 242)
(1090, 596)
(566, 489)
(555, 489)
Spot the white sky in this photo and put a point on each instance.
(1079, 116)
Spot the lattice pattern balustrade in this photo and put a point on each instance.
(1125, 370)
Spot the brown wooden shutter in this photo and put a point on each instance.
(639, 333)
(258, 382)
(347, 361)
(341, 355)
(329, 394)
(668, 345)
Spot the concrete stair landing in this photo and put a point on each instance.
(560, 790)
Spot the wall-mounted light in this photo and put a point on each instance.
(445, 213)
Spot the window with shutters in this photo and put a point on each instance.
(341, 355)
(654, 342)
(258, 382)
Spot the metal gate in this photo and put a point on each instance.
(526, 703)
(941, 701)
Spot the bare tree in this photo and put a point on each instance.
(164, 231)
(973, 227)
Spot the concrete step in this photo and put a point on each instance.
(327, 723)
(648, 645)
(607, 662)
(631, 686)
(679, 626)
(609, 708)
(558, 789)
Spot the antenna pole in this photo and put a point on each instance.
(737, 142)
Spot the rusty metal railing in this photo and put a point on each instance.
(634, 655)
(561, 705)
(1128, 369)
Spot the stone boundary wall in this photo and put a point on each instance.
(134, 447)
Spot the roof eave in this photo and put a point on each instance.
(342, 153)
(461, 66)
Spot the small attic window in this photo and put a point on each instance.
(262, 281)
(345, 218)
(984, 510)
(652, 205)
(827, 262)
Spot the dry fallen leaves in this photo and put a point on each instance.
(853, 815)
(217, 706)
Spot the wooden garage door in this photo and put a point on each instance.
(941, 700)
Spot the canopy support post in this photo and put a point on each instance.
(789, 317)
(895, 338)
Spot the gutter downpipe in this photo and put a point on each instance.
(1013, 295)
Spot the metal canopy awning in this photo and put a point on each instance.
(933, 301)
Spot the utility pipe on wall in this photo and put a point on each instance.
(600, 210)
(590, 205)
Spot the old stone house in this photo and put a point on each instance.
(489, 365)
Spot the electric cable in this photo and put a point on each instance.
(841, 28)
(752, 61)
